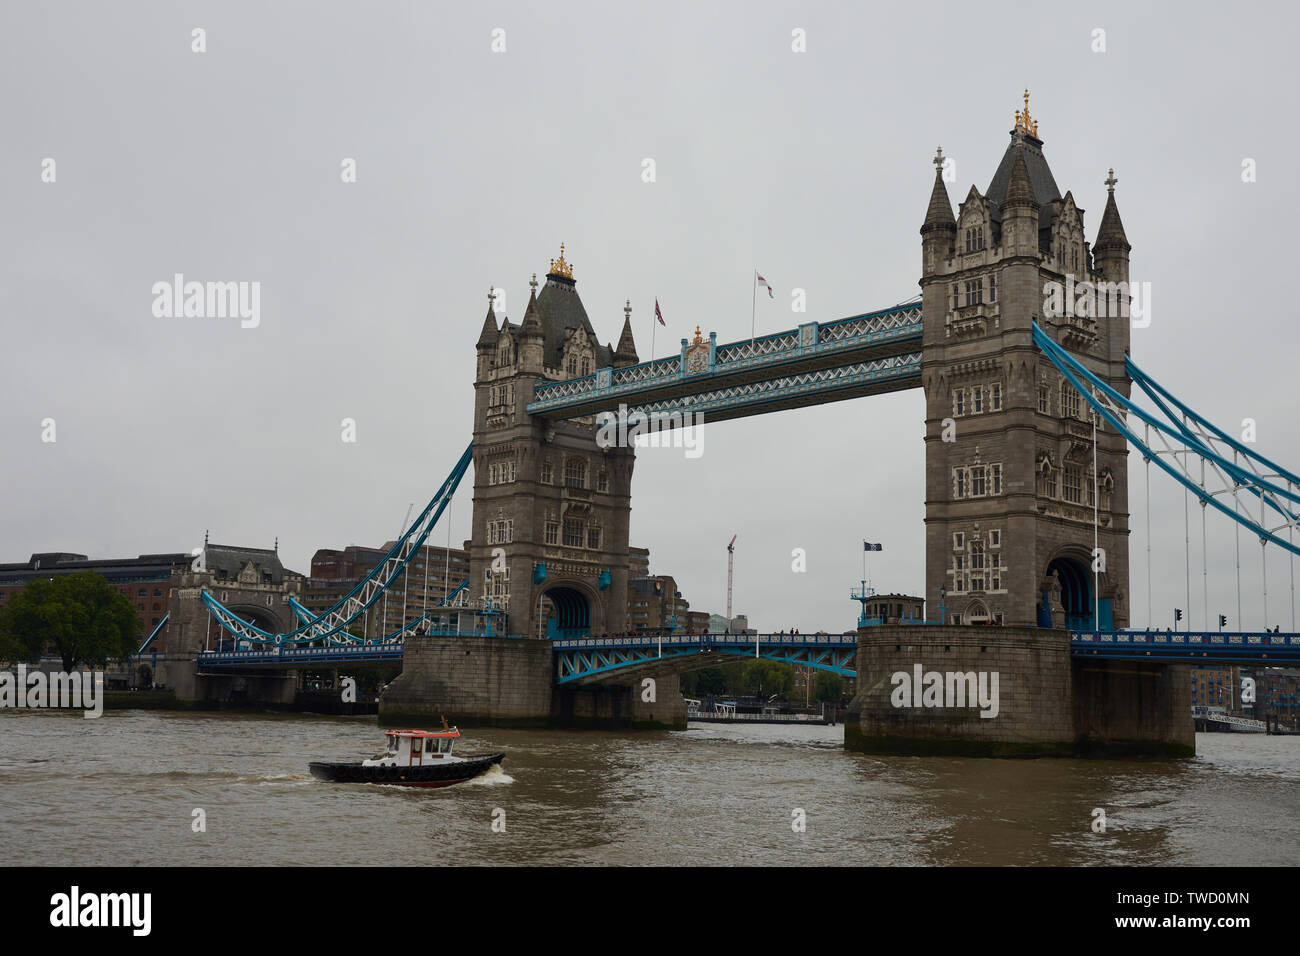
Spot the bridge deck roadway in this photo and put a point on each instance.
(784, 355)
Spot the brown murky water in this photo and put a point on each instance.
(122, 790)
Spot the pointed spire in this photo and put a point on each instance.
(1020, 191)
(939, 214)
(488, 337)
(625, 353)
(532, 315)
(1110, 235)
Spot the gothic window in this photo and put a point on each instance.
(505, 354)
(958, 540)
(955, 294)
(995, 401)
(979, 237)
(602, 482)
(586, 366)
(1072, 485)
(493, 475)
(995, 539)
(1047, 481)
(959, 401)
(573, 365)
(968, 240)
(575, 473)
(977, 399)
(1044, 400)
(959, 478)
(1069, 401)
(977, 482)
(993, 287)
(547, 476)
(995, 484)
(977, 555)
(552, 533)
(573, 533)
(593, 538)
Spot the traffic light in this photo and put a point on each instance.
(1178, 614)
(1223, 621)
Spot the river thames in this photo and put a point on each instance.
(123, 790)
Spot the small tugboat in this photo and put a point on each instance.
(413, 758)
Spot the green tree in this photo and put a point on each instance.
(766, 678)
(828, 687)
(84, 618)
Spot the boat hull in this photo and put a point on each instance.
(437, 774)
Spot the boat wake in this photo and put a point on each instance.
(491, 778)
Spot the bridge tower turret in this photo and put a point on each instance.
(551, 507)
(1009, 448)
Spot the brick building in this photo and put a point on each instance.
(146, 580)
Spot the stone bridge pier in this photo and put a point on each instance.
(510, 682)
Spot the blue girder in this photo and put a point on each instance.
(367, 591)
(579, 658)
(1116, 408)
(1189, 646)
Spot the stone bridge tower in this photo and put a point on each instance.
(551, 507)
(1009, 443)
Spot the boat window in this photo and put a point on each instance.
(430, 745)
(415, 745)
(446, 746)
(392, 743)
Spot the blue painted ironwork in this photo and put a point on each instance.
(297, 656)
(1184, 436)
(367, 592)
(787, 357)
(154, 633)
(580, 658)
(1195, 646)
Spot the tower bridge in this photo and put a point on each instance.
(1029, 418)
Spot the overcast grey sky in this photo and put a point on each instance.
(474, 166)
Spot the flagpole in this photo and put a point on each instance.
(654, 320)
(753, 305)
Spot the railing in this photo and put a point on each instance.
(900, 322)
(1194, 644)
(706, 640)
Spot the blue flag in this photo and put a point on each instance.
(867, 546)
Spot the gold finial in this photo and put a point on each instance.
(1023, 121)
(1111, 181)
(699, 339)
(561, 268)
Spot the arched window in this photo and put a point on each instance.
(586, 366)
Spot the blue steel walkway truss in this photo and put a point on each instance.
(814, 363)
(581, 659)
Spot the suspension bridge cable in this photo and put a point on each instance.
(1187, 550)
(1236, 508)
(1205, 561)
(1096, 589)
(1147, 460)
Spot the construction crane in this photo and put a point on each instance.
(731, 558)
